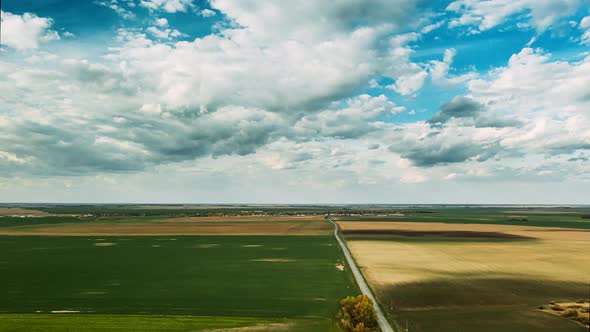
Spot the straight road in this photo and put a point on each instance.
(383, 323)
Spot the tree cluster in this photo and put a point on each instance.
(357, 314)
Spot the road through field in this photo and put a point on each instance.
(383, 323)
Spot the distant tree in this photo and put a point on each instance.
(357, 314)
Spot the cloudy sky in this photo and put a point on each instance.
(246, 101)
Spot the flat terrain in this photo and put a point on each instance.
(140, 323)
(538, 217)
(266, 277)
(128, 226)
(17, 211)
(463, 277)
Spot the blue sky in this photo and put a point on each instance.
(371, 101)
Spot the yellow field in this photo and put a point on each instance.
(479, 269)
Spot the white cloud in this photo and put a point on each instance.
(357, 118)
(439, 70)
(164, 33)
(169, 6)
(207, 12)
(585, 27)
(283, 75)
(315, 20)
(530, 123)
(11, 157)
(431, 27)
(280, 103)
(161, 22)
(550, 97)
(488, 14)
(26, 31)
(117, 7)
(411, 82)
(409, 76)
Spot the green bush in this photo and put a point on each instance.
(357, 314)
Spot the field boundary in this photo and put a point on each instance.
(360, 280)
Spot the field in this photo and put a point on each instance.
(469, 277)
(146, 273)
(131, 226)
(537, 217)
(95, 323)
(276, 268)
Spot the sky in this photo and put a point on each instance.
(250, 101)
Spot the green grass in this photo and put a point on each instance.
(86, 322)
(192, 275)
(140, 323)
(485, 217)
(35, 221)
(15, 221)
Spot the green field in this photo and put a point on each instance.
(563, 218)
(265, 278)
(105, 322)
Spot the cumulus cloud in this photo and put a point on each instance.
(229, 93)
(530, 110)
(161, 22)
(485, 15)
(26, 31)
(409, 76)
(207, 12)
(279, 83)
(118, 7)
(164, 33)
(439, 70)
(427, 147)
(312, 20)
(302, 73)
(169, 6)
(359, 117)
(585, 27)
(459, 107)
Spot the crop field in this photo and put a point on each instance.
(271, 274)
(539, 217)
(154, 225)
(140, 323)
(468, 277)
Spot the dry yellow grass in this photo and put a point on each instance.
(555, 254)
(242, 219)
(581, 308)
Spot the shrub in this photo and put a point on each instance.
(570, 313)
(583, 319)
(557, 307)
(357, 314)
